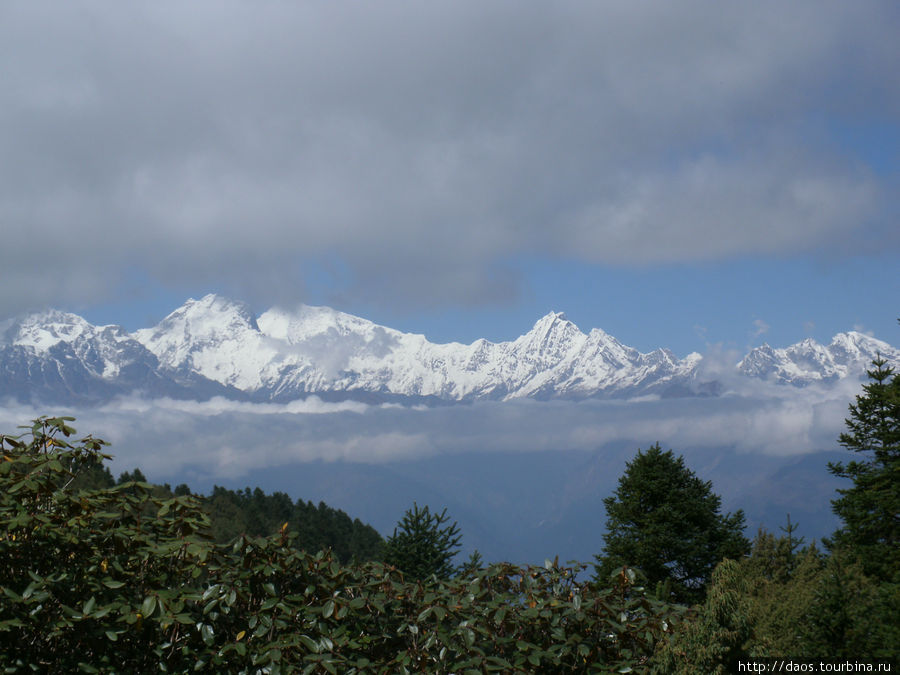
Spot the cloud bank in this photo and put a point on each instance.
(223, 439)
(418, 149)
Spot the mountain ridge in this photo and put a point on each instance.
(216, 346)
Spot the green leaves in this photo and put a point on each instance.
(207, 633)
(148, 606)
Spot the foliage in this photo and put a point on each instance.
(664, 520)
(423, 544)
(785, 600)
(842, 618)
(782, 579)
(88, 574)
(858, 600)
(254, 513)
(715, 639)
(116, 579)
(870, 509)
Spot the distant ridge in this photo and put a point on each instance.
(216, 347)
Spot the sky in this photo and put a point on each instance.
(690, 176)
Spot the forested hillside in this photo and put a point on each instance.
(254, 513)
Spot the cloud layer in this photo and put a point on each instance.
(422, 147)
(225, 439)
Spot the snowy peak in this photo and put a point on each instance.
(806, 362)
(308, 322)
(215, 346)
(57, 357)
(550, 320)
(43, 330)
(855, 346)
(551, 337)
(212, 318)
(214, 337)
(101, 351)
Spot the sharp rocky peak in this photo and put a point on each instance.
(211, 315)
(552, 318)
(218, 307)
(553, 323)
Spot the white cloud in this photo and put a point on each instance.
(218, 405)
(760, 327)
(168, 439)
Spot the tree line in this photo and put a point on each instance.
(254, 513)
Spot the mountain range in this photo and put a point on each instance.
(543, 470)
(217, 347)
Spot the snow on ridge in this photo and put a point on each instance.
(289, 354)
(43, 330)
(808, 361)
(216, 338)
(309, 349)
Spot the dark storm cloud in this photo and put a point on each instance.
(421, 145)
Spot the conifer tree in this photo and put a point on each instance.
(870, 508)
(666, 521)
(423, 544)
(472, 565)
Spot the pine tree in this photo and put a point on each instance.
(665, 521)
(472, 565)
(870, 508)
(136, 476)
(423, 544)
(859, 604)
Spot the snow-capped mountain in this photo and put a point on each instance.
(284, 355)
(214, 346)
(806, 362)
(57, 357)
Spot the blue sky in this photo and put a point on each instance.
(677, 176)
(735, 304)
